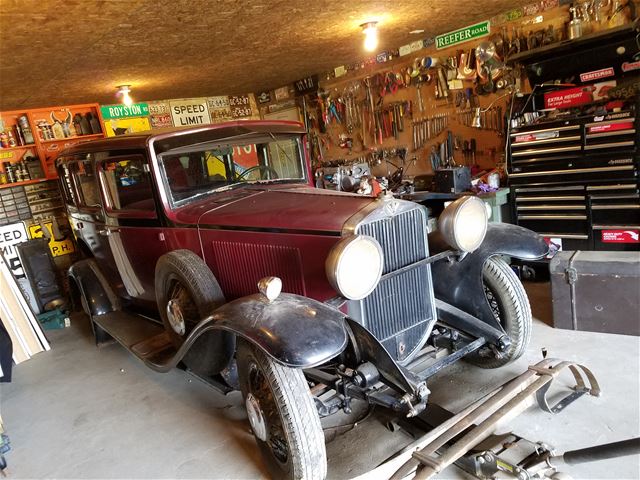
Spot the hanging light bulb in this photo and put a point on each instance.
(123, 91)
(370, 30)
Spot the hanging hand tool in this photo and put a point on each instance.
(472, 146)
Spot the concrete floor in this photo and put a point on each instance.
(82, 412)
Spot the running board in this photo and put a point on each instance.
(145, 339)
(458, 435)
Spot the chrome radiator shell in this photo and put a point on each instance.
(400, 312)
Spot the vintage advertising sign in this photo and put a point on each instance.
(621, 236)
(160, 115)
(219, 109)
(306, 85)
(463, 35)
(57, 247)
(124, 111)
(597, 74)
(264, 97)
(189, 111)
(240, 106)
(120, 126)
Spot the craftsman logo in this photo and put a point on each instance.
(621, 236)
(463, 35)
(629, 66)
(597, 74)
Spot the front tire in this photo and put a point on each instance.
(283, 416)
(510, 305)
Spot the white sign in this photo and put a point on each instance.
(189, 111)
(10, 236)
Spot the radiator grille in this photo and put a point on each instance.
(400, 312)
(239, 266)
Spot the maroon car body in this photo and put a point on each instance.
(176, 231)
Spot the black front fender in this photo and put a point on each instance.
(459, 283)
(296, 331)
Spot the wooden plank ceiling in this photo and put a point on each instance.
(59, 52)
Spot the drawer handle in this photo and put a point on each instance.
(621, 206)
(546, 150)
(552, 217)
(609, 145)
(552, 207)
(543, 199)
(557, 129)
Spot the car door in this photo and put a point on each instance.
(87, 216)
(132, 222)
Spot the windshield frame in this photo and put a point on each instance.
(231, 143)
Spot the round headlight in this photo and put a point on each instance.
(464, 223)
(354, 266)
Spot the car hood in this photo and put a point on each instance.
(295, 208)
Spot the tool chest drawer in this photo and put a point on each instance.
(619, 134)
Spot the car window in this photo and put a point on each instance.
(194, 173)
(85, 180)
(127, 184)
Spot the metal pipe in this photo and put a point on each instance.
(601, 452)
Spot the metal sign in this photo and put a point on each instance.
(306, 85)
(264, 97)
(124, 111)
(189, 111)
(463, 35)
(219, 109)
(240, 106)
(597, 74)
(57, 247)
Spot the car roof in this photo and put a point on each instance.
(213, 132)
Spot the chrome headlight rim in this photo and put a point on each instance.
(339, 254)
(451, 223)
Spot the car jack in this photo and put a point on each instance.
(466, 438)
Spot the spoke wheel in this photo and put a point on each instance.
(510, 306)
(282, 415)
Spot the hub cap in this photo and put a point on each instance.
(256, 419)
(175, 316)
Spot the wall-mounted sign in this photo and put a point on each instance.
(189, 111)
(306, 85)
(219, 109)
(629, 66)
(122, 126)
(4, 155)
(264, 97)
(281, 93)
(463, 35)
(160, 115)
(124, 111)
(10, 236)
(240, 106)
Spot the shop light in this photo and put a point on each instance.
(123, 91)
(370, 30)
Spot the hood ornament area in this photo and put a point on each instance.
(390, 203)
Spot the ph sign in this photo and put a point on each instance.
(190, 111)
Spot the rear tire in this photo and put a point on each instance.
(509, 301)
(183, 279)
(287, 427)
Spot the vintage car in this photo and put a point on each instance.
(208, 248)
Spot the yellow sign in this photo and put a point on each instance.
(121, 126)
(6, 154)
(57, 247)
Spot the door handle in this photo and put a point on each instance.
(108, 231)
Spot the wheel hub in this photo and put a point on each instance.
(175, 317)
(256, 418)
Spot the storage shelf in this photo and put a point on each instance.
(20, 184)
(9, 149)
(77, 137)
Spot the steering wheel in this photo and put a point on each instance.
(260, 168)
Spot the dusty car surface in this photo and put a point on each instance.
(208, 248)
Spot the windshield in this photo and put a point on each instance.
(193, 173)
